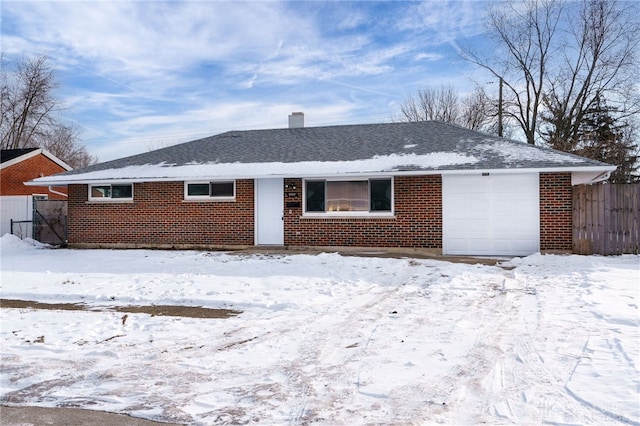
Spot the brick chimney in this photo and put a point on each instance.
(296, 120)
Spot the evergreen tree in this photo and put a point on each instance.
(604, 138)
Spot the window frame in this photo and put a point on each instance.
(360, 213)
(110, 198)
(209, 197)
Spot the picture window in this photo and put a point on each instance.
(349, 196)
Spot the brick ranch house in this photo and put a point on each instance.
(427, 185)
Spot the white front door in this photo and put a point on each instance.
(269, 212)
(490, 215)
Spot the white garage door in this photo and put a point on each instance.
(491, 215)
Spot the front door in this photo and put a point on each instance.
(269, 212)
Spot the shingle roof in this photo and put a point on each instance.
(10, 154)
(411, 146)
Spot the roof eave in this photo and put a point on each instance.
(597, 171)
(33, 153)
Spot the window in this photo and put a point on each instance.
(210, 190)
(348, 196)
(111, 192)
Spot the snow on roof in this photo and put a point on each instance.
(523, 153)
(379, 164)
(392, 148)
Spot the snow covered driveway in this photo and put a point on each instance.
(324, 338)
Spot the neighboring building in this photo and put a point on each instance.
(18, 166)
(428, 185)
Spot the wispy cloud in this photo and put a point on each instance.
(134, 70)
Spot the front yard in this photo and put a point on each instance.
(322, 338)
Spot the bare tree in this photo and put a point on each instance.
(556, 57)
(27, 103)
(599, 64)
(62, 141)
(443, 104)
(27, 113)
(479, 112)
(523, 33)
(433, 103)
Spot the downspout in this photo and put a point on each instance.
(601, 177)
(53, 191)
(589, 178)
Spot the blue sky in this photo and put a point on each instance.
(138, 75)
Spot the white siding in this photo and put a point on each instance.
(16, 207)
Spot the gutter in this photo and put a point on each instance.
(588, 178)
(592, 174)
(601, 177)
(53, 191)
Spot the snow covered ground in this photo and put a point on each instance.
(324, 338)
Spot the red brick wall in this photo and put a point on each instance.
(159, 215)
(417, 222)
(556, 217)
(12, 178)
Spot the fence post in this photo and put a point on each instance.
(34, 223)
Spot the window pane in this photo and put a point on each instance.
(101, 191)
(222, 189)
(121, 191)
(380, 195)
(348, 196)
(196, 189)
(315, 196)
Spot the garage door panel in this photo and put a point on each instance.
(466, 245)
(515, 204)
(514, 182)
(464, 181)
(464, 228)
(458, 244)
(512, 233)
(491, 215)
(519, 224)
(480, 202)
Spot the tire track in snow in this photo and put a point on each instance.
(487, 367)
(527, 344)
(318, 372)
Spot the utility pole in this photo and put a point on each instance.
(500, 108)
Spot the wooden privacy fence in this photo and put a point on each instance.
(606, 219)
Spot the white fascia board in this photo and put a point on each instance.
(56, 160)
(22, 158)
(33, 153)
(78, 180)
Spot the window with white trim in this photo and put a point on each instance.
(215, 190)
(349, 196)
(123, 192)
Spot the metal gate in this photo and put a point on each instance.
(50, 221)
